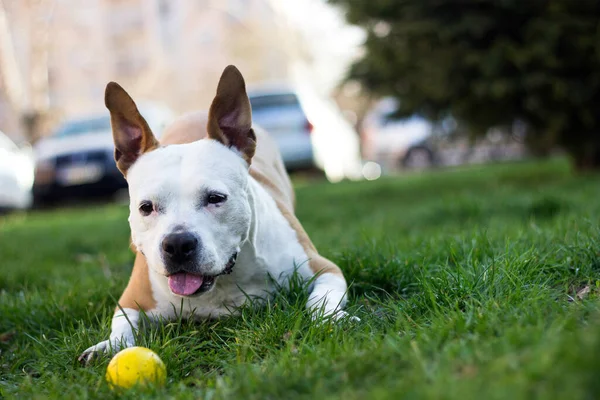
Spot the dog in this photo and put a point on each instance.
(211, 216)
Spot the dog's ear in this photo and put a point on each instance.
(131, 133)
(230, 115)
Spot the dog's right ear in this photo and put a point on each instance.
(131, 133)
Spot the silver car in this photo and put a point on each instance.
(310, 130)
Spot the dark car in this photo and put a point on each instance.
(78, 159)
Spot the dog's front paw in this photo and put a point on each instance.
(342, 315)
(93, 352)
(336, 315)
(106, 347)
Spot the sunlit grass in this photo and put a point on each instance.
(466, 282)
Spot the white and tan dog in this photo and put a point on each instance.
(211, 216)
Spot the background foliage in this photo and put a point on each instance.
(489, 63)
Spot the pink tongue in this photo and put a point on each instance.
(185, 284)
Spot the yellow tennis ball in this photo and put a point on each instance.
(135, 366)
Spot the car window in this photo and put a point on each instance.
(278, 113)
(260, 103)
(78, 127)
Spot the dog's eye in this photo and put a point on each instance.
(146, 208)
(216, 198)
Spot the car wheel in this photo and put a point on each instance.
(419, 157)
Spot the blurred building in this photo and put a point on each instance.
(167, 50)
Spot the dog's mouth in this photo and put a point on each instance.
(190, 284)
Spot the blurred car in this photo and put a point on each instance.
(395, 142)
(16, 174)
(417, 143)
(309, 130)
(78, 158)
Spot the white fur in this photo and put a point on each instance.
(328, 296)
(175, 178)
(123, 328)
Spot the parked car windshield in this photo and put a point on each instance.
(272, 100)
(278, 113)
(81, 126)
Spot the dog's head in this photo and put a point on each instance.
(189, 209)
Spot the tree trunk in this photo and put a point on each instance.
(31, 126)
(587, 160)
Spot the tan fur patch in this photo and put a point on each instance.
(318, 264)
(138, 293)
(186, 129)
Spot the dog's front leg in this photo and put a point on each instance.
(137, 296)
(328, 296)
(124, 326)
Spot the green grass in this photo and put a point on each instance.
(465, 281)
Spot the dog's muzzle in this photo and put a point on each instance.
(189, 284)
(230, 264)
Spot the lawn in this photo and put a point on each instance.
(478, 282)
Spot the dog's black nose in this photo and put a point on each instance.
(179, 247)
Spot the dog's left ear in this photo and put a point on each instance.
(230, 115)
(131, 133)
